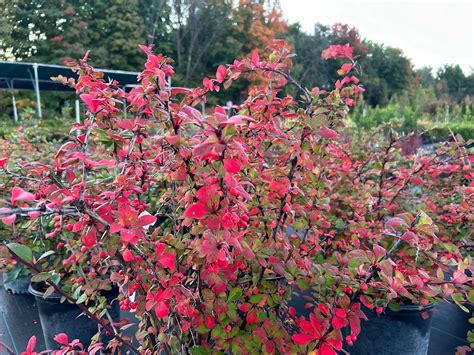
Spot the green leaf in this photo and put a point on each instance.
(217, 332)
(202, 329)
(303, 284)
(46, 254)
(458, 299)
(394, 306)
(470, 296)
(199, 350)
(232, 311)
(261, 316)
(49, 291)
(235, 294)
(22, 251)
(354, 263)
(256, 298)
(42, 276)
(81, 299)
(470, 336)
(340, 224)
(55, 278)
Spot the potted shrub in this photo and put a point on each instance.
(48, 242)
(217, 274)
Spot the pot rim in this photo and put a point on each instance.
(38, 294)
(406, 308)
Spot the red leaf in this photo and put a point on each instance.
(231, 165)
(161, 309)
(209, 321)
(328, 133)
(177, 91)
(128, 256)
(302, 339)
(338, 323)
(221, 74)
(340, 313)
(323, 309)
(325, 349)
(62, 338)
(251, 317)
(92, 102)
(196, 210)
(18, 194)
(146, 220)
(167, 260)
(338, 51)
(3, 161)
(128, 236)
(90, 238)
(335, 343)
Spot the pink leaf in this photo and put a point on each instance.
(379, 251)
(62, 339)
(18, 194)
(255, 58)
(172, 139)
(234, 120)
(221, 73)
(9, 219)
(33, 215)
(459, 277)
(328, 133)
(397, 223)
(31, 345)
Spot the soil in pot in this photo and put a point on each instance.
(57, 317)
(20, 313)
(394, 333)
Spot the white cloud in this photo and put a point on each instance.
(430, 33)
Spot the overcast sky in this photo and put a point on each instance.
(430, 32)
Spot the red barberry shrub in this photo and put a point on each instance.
(211, 221)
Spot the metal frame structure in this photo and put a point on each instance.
(37, 77)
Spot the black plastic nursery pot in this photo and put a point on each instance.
(394, 333)
(20, 312)
(57, 317)
(391, 333)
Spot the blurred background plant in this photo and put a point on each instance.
(199, 35)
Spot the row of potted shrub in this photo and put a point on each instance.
(209, 226)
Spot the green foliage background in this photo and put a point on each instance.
(201, 34)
